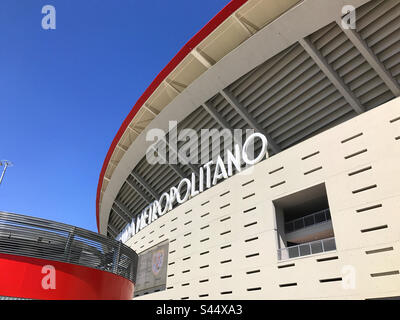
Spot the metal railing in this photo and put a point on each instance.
(39, 238)
(309, 220)
(306, 249)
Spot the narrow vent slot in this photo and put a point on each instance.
(369, 208)
(352, 137)
(277, 184)
(364, 189)
(374, 228)
(383, 274)
(225, 193)
(248, 196)
(284, 285)
(253, 271)
(226, 261)
(251, 239)
(276, 170)
(254, 289)
(359, 171)
(330, 280)
(250, 224)
(379, 250)
(327, 259)
(249, 210)
(310, 155)
(248, 182)
(286, 266)
(355, 154)
(312, 170)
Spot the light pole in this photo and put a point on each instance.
(6, 164)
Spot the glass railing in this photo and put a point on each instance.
(306, 249)
(309, 220)
(34, 237)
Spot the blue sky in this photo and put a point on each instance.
(64, 93)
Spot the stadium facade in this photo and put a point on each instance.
(318, 216)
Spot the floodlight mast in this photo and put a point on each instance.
(6, 164)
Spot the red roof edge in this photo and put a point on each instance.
(221, 16)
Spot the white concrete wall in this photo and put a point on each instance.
(183, 228)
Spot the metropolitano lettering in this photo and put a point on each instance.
(205, 179)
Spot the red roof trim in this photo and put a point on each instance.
(227, 11)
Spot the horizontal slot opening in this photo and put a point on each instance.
(254, 289)
(188, 211)
(226, 246)
(313, 170)
(330, 280)
(355, 154)
(253, 271)
(205, 239)
(364, 189)
(172, 251)
(161, 236)
(169, 288)
(173, 240)
(369, 208)
(186, 258)
(248, 182)
(379, 250)
(186, 271)
(225, 205)
(310, 155)
(185, 284)
(374, 228)
(277, 184)
(205, 266)
(226, 261)
(187, 246)
(203, 295)
(286, 266)
(225, 232)
(327, 259)
(204, 227)
(171, 263)
(174, 219)
(251, 239)
(226, 292)
(395, 119)
(284, 285)
(187, 234)
(383, 274)
(204, 203)
(250, 224)
(276, 170)
(185, 298)
(203, 280)
(225, 193)
(224, 219)
(203, 253)
(359, 171)
(189, 222)
(204, 215)
(248, 196)
(226, 277)
(252, 255)
(352, 137)
(249, 210)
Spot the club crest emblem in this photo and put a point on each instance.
(158, 258)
